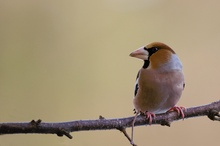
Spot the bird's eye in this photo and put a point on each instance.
(152, 50)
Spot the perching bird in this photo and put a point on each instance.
(159, 82)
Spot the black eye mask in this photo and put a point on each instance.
(150, 51)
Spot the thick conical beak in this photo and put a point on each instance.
(140, 53)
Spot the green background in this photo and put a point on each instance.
(69, 60)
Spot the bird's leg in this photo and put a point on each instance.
(179, 110)
(149, 116)
(132, 128)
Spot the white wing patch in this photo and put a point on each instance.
(136, 85)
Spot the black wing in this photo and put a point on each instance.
(136, 84)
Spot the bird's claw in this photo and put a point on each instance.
(149, 116)
(179, 109)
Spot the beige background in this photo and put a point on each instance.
(68, 60)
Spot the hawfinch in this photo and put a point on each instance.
(159, 82)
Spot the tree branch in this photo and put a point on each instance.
(64, 128)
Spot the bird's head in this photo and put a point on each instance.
(157, 55)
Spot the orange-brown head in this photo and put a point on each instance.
(157, 55)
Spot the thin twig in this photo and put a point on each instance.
(123, 130)
(64, 128)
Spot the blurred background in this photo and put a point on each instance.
(69, 60)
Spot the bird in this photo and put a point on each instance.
(159, 82)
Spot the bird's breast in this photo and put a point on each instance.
(158, 91)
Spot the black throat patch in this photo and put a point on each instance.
(146, 63)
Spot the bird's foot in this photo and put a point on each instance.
(179, 109)
(149, 116)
